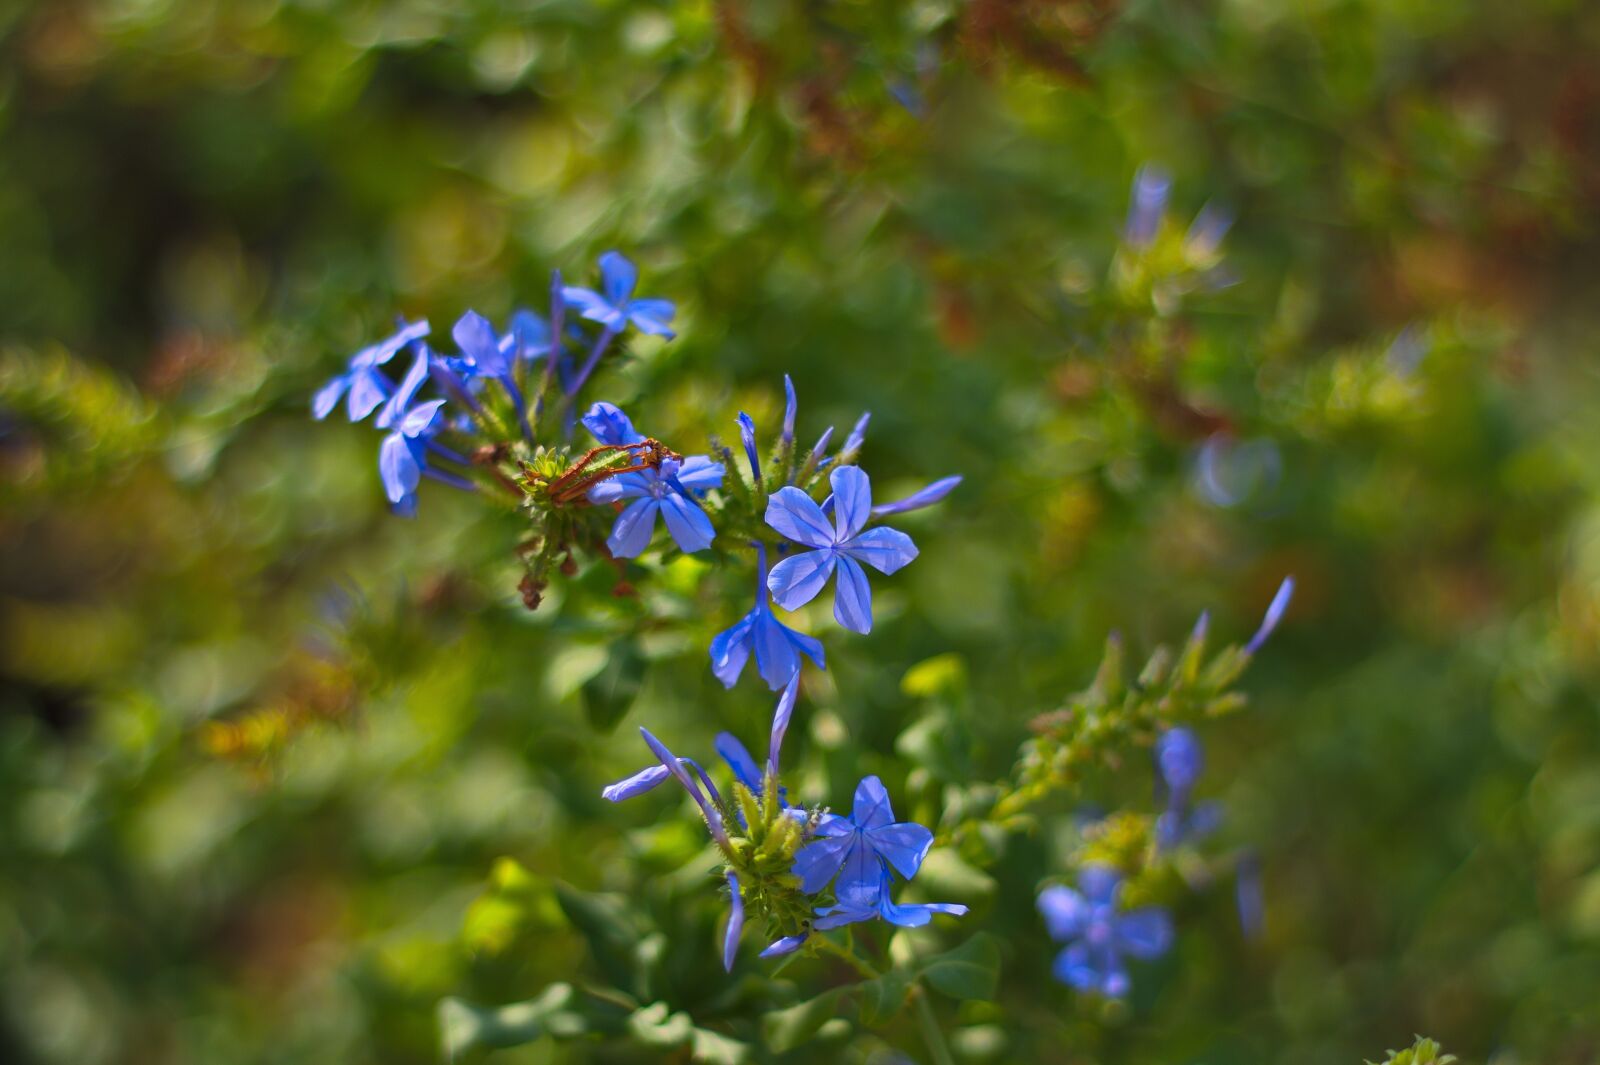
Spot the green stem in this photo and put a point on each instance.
(845, 954)
(931, 1034)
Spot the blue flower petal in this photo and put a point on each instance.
(902, 845)
(690, 528)
(820, 860)
(699, 474)
(608, 425)
(1144, 933)
(738, 758)
(852, 501)
(885, 550)
(730, 938)
(926, 497)
(730, 649)
(780, 722)
(618, 276)
(1180, 758)
(1275, 611)
(646, 779)
(1099, 883)
(796, 580)
(631, 533)
(852, 597)
(400, 466)
(786, 945)
(795, 515)
(1066, 913)
(366, 393)
(328, 396)
(477, 340)
(652, 316)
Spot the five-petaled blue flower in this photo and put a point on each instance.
(668, 491)
(777, 647)
(1098, 933)
(857, 848)
(841, 545)
(366, 384)
(614, 308)
(860, 902)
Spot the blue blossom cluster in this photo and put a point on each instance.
(1099, 933)
(857, 856)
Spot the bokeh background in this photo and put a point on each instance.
(262, 745)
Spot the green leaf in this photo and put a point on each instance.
(656, 1026)
(609, 694)
(788, 1028)
(463, 1026)
(883, 998)
(713, 1049)
(613, 932)
(970, 971)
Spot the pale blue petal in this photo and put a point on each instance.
(652, 316)
(730, 938)
(618, 276)
(476, 338)
(419, 418)
(744, 767)
(927, 497)
(366, 393)
(871, 808)
(1099, 883)
(631, 533)
(776, 656)
(1074, 968)
(885, 550)
(699, 474)
(786, 945)
(399, 466)
(780, 721)
(797, 516)
(1275, 612)
(690, 528)
(903, 846)
(645, 780)
(1180, 758)
(852, 597)
(1065, 912)
(730, 649)
(1144, 933)
(852, 501)
(328, 395)
(795, 581)
(819, 861)
(608, 425)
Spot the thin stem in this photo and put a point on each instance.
(850, 956)
(931, 1033)
(602, 342)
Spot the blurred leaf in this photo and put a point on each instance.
(788, 1028)
(970, 971)
(608, 695)
(883, 998)
(464, 1026)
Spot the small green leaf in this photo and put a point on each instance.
(463, 1026)
(713, 1049)
(970, 971)
(609, 694)
(883, 998)
(788, 1028)
(613, 932)
(656, 1026)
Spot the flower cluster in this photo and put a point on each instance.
(780, 858)
(1099, 932)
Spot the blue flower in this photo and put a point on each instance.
(1179, 759)
(777, 647)
(1098, 933)
(708, 807)
(366, 384)
(668, 491)
(842, 546)
(614, 308)
(863, 902)
(857, 847)
(1275, 611)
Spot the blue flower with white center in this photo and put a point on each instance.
(1099, 933)
(614, 307)
(365, 384)
(859, 902)
(776, 646)
(1179, 759)
(841, 545)
(669, 491)
(857, 848)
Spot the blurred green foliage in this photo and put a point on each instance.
(288, 779)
